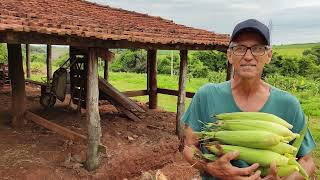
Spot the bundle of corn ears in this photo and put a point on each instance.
(259, 137)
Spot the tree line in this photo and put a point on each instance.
(201, 64)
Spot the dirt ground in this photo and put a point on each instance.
(135, 150)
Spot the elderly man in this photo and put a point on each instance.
(249, 51)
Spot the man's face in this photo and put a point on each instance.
(250, 64)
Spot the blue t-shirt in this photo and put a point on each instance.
(213, 99)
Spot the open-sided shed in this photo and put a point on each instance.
(83, 24)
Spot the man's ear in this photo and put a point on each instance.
(229, 54)
(269, 53)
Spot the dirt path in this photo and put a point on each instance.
(135, 150)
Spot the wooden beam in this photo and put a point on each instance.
(69, 134)
(135, 93)
(39, 38)
(93, 117)
(76, 137)
(152, 59)
(49, 62)
(174, 92)
(35, 82)
(17, 84)
(181, 92)
(229, 71)
(148, 76)
(109, 90)
(28, 61)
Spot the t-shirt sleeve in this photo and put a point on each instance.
(193, 116)
(298, 122)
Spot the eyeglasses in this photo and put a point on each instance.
(257, 50)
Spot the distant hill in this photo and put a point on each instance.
(293, 49)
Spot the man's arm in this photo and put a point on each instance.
(220, 168)
(308, 164)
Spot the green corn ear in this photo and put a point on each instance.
(254, 116)
(297, 143)
(234, 125)
(252, 139)
(282, 171)
(251, 156)
(283, 148)
(303, 173)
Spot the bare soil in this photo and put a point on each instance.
(135, 150)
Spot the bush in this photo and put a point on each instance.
(196, 69)
(315, 51)
(3, 54)
(217, 77)
(294, 84)
(131, 61)
(38, 58)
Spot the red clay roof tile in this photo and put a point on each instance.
(86, 19)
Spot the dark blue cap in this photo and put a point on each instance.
(252, 24)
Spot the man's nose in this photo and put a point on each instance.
(248, 56)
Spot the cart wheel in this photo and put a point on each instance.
(47, 100)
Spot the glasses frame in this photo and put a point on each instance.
(266, 47)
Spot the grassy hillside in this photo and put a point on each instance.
(293, 49)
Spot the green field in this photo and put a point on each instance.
(293, 49)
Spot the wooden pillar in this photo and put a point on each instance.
(17, 84)
(182, 91)
(28, 60)
(93, 117)
(152, 76)
(148, 76)
(106, 70)
(229, 71)
(49, 62)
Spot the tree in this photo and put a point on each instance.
(213, 60)
(131, 61)
(164, 64)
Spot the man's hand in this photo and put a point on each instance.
(272, 173)
(223, 169)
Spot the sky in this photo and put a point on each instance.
(291, 21)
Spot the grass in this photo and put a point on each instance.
(315, 130)
(131, 81)
(293, 49)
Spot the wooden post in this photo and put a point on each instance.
(93, 117)
(181, 91)
(17, 84)
(152, 59)
(148, 76)
(28, 60)
(229, 71)
(49, 59)
(106, 70)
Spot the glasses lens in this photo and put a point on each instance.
(258, 50)
(239, 50)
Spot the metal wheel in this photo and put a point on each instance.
(47, 100)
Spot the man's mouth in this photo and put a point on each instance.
(247, 65)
